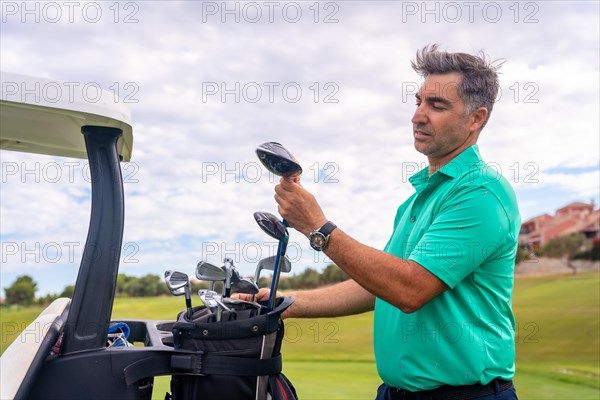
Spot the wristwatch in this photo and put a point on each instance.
(320, 237)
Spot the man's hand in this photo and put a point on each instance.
(262, 295)
(298, 206)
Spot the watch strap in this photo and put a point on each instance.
(327, 228)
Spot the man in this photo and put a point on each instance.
(442, 287)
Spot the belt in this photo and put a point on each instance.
(448, 392)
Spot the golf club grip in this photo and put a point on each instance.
(188, 304)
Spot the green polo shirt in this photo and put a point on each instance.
(461, 225)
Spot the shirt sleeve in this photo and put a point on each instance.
(470, 229)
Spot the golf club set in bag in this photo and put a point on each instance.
(238, 342)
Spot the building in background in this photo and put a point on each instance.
(576, 217)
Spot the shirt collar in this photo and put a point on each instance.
(457, 167)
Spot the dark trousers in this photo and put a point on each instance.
(383, 393)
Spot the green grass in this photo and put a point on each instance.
(13, 320)
(333, 379)
(165, 307)
(558, 336)
(558, 342)
(330, 339)
(558, 320)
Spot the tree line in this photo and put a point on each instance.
(22, 291)
(570, 247)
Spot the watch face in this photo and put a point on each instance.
(319, 238)
(318, 241)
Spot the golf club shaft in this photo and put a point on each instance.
(281, 249)
(227, 286)
(276, 271)
(256, 276)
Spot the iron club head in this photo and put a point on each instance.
(176, 282)
(209, 272)
(179, 284)
(268, 264)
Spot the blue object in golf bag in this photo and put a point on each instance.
(118, 333)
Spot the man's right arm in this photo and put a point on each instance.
(344, 298)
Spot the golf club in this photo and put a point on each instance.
(268, 264)
(230, 273)
(271, 225)
(245, 286)
(208, 299)
(211, 273)
(238, 304)
(213, 302)
(179, 284)
(277, 160)
(221, 306)
(235, 276)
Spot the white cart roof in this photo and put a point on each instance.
(45, 117)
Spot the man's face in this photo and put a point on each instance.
(440, 128)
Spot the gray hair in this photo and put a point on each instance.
(479, 85)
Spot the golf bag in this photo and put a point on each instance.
(238, 357)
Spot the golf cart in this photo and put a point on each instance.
(72, 359)
(102, 133)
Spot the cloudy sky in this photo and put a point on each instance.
(206, 82)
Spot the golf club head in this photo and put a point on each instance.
(209, 272)
(213, 302)
(235, 276)
(237, 304)
(278, 160)
(269, 264)
(219, 300)
(177, 282)
(207, 299)
(271, 225)
(245, 286)
(228, 267)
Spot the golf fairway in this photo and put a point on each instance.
(558, 342)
